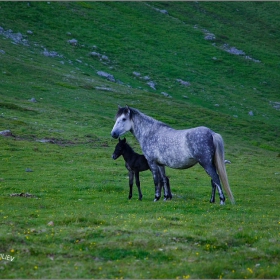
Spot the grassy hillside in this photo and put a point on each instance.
(219, 64)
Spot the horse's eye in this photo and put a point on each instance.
(124, 119)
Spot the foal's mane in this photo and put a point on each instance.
(128, 147)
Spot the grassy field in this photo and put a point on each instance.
(79, 222)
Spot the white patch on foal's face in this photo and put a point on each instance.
(122, 125)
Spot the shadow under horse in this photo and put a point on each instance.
(134, 163)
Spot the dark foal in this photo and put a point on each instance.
(134, 163)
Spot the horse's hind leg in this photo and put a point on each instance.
(212, 199)
(211, 171)
(138, 185)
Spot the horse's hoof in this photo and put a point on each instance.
(156, 199)
(222, 203)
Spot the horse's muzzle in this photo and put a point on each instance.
(114, 134)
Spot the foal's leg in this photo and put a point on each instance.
(168, 187)
(131, 177)
(160, 184)
(138, 184)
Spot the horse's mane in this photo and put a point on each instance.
(123, 110)
(136, 112)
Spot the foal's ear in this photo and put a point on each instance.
(119, 139)
(124, 140)
(119, 106)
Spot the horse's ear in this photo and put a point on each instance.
(119, 139)
(119, 106)
(124, 140)
(127, 109)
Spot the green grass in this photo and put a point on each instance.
(97, 232)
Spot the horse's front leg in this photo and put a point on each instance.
(156, 177)
(138, 184)
(166, 186)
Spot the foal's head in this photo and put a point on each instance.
(119, 148)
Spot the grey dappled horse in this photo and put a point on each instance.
(135, 164)
(180, 149)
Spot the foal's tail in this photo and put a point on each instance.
(220, 164)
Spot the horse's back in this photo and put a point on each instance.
(200, 141)
(180, 148)
(199, 134)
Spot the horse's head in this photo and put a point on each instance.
(119, 148)
(123, 122)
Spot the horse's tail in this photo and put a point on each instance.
(220, 164)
